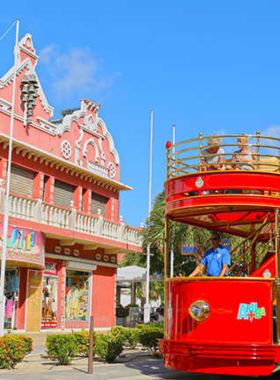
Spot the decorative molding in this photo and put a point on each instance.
(68, 119)
(26, 45)
(112, 171)
(109, 137)
(66, 149)
(90, 123)
(97, 169)
(7, 79)
(79, 141)
(85, 150)
(46, 126)
(4, 105)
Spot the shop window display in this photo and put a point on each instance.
(49, 300)
(11, 294)
(77, 296)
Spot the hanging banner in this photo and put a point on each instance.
(24, 245)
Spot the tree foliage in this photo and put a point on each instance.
(153, 234)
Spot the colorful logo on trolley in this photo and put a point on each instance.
(199, 182)
(267, 273)
(250, 311)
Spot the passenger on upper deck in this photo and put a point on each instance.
(244, 157)
(216, 259)
(213, 155)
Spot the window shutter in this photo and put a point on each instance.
(22, 181)
(63, 193)
(97, 201)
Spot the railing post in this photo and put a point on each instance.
(100, 223)
(122, 229)
(2, 200)
(200, 149)
(38, 210)
(258, 149)
(277, 279)
(73, 216)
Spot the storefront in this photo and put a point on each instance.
(11, 292)
(50, 296)
(23, 276)
(77, 295)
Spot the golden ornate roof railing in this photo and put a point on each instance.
(191, 156)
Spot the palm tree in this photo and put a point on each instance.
(178, 233)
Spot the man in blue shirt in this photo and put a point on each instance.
(216, 259)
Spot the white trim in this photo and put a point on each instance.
(8, 78)
(52, 127)
(109, 137)
(79, 266)
(68, 163)
(85, 261)
(20, 118)
(90, 272)
(85, 150)
(22, 42)
(91, 297)
(26, 294)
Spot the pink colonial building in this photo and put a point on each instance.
(64, 228)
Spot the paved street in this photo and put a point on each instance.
(143, 370)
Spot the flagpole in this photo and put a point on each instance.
(6, 212)
(147, 304)
(172, 247)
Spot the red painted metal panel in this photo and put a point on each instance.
(223, 180)
(236, 338)
(224, 298)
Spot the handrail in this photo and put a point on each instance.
(189, 159)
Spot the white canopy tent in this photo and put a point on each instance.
(132, 274)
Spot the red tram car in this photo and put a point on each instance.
(225, 325)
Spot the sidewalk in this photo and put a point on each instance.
(38, 364)
(134, 366)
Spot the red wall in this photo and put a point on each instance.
(20, 319)
(103, 290)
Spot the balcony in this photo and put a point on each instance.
(71, 220)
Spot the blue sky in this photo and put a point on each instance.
(209, 66)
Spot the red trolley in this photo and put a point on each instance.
(225, 325)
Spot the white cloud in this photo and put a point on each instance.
(74, 72)
(273, 131)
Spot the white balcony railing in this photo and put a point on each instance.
(38, 211)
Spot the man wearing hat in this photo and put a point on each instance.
(216, 259)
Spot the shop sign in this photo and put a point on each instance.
(23, 245)
(51, 268)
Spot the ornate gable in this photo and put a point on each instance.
(27, 61)
(94, 146)
(80, 138)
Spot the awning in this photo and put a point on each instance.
(134, 273)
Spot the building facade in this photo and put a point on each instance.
(64, 227)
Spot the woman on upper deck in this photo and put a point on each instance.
(213, 155)
(243, 158)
